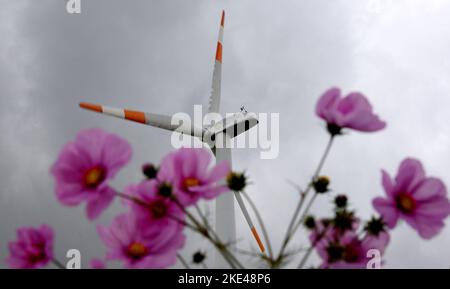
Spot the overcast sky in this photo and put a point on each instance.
(279, 56)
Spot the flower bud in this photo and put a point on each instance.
(165, 190)
(198, 257)
(321, 184)
(344, 220)
(149, 170)
(236, 181)
(340, 201)
(310, 222)
(375, 226)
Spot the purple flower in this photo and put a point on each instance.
(33, 248)
(157, 212)
(421, 201)
(127, 240)
(84, 167)
(343, 249)
(353, 111)
(192, 176)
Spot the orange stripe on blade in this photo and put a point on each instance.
(219, 52)
(135, 115)
(222, 21)
(260, 244)
(90, 106)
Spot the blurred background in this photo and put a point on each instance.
(279, 56)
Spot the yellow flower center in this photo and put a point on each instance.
(158, 209)
(191, 182)
(406, 203)
(93, 177)
(137, 250)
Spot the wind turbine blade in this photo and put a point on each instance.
(151, 119)
(249, 221)
(214, 100)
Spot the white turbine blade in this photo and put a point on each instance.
(214, 100)
(152, 119)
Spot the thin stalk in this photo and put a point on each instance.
(305, 212)
(291, 231)
(233, 261)
(58, 264)
(310, 249)
(183, 262)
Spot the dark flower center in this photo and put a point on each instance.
(38, 256)
(351, 253)
(137, 250)
(406, 203)
(158, 209)
(93, 177)
(35, 258)
(335, 252)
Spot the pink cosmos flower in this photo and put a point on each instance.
(84, 167)
(33, 248)
(156, 211)
(352, 111)
(127, 240)
(190, 172)
(350, 252)
(421, 201)
(343, 249)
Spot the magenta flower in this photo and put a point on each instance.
(421, 201)
(156, 211)
(84, 167)
(33, 248)
(347, 251)
(190, 172)
(353, 111)
(127, 240)
(342, 249)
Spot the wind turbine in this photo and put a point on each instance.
(218, 136)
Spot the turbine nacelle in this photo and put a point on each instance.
(232, 126)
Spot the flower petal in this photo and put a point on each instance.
(410, 174)
(327, 103)
(387, 210)
(98, 204)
